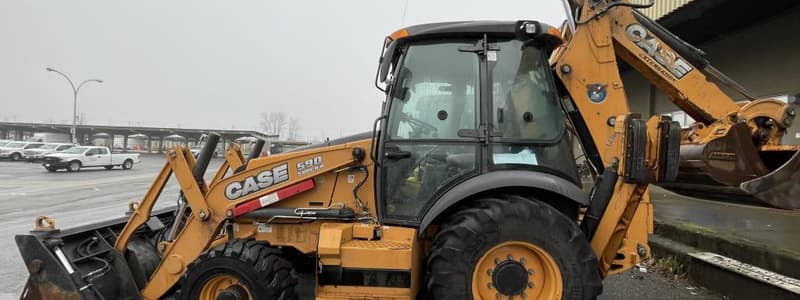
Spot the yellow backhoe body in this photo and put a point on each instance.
(466, 189)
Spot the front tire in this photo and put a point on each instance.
(247, 269)
(508, 245)
(15, 156)
(51, 169)
(74, 166)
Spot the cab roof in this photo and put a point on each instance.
(476, 28)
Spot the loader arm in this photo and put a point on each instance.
(732, 145)
(211, 207)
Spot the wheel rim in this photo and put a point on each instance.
(73, 166)
(516, 270)
(127, 164)
(223, 286)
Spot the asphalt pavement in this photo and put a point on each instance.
(72, 199)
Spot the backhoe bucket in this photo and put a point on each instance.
(779, 188)
(731, 168)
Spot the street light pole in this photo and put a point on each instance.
(75, 90)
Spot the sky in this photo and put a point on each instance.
(215, 64)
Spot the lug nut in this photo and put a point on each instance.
(530, 285)
(496, 261)
(531, 272)
(489, 271)
(523, 260)
(509, 257)
(490, 285)
(523, 295)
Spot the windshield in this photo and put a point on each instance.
(76, 150)
(15, 145)
(525, 102)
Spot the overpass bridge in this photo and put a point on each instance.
(153, 138)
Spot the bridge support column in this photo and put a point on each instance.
(161, 145)
(125, 143)
(149, 144)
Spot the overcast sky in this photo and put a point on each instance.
(214, 64)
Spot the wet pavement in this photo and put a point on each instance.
(771, 228)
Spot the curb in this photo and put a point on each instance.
(732, 282)
(774, 259)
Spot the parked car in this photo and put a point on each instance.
(14, 150)
(196, 151)
(39, 153)
(50, 137)
(75, 158)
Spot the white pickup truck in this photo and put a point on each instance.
(74, 159)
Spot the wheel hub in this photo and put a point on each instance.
(510, 278)
(516, 270)
(234, 292)
(223, 287)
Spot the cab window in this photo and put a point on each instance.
(527, 117)
(435, 93)
(525, 102)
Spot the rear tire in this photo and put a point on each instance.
(14, 156)
(127, 165)
(74, 166)
(247, 268)
(490, 229)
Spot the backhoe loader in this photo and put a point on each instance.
(466, 188)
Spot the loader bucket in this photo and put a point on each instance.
(731, 168)
(81, 262)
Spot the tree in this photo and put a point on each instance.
(273, 123)
(293, 129)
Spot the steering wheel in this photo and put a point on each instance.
(418, 125)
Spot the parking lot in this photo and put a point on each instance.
(28, 190)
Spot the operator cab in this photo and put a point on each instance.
(465, 99)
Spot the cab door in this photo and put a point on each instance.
(103, 158)
(430, 142)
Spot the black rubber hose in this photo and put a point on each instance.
(205, 157)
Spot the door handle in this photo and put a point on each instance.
(397, 154)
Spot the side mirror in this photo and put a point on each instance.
(384, 64)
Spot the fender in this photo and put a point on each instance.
(503, 179)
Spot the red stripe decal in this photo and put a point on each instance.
(284, 193)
